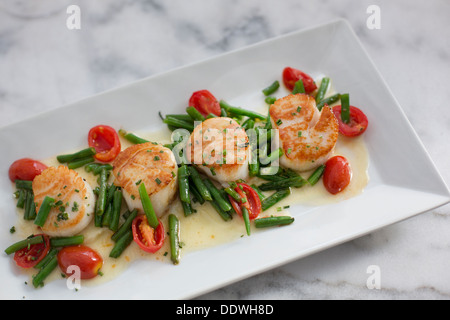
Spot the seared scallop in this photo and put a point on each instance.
(74, 200)
(308, 136)
(220, 148)
(151, 164)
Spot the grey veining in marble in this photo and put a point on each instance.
(44, 65)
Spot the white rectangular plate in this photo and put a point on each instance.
(403, 179)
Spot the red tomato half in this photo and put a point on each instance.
(25, 169)
(358, 121)
(30, 256)
(291, 76)
(252, 203)
(337, 174)
(148, 239)
(205, 103)
(106, 142)
(88, 260)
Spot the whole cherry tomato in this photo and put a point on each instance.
(25, 169)
(87, 259)
(205, 102)
(337, 174)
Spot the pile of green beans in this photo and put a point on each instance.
(124, 235)
(78, 159)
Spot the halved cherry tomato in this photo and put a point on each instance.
(106, 142)
(25, 169)
(30, 256)
(251, 202)
(147, 238)
(291, 76)
(205, 102)
(337, 174)
(358, 121)
(87, 259)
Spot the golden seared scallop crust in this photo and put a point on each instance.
(149, 163)
(74, 200)
(307, 136)
(220, 148)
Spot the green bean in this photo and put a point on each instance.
(322, 89)
(24, 243)
(98, 169)
(298, 87)
(315, 176)
(115, 211)
(259, 192)
(195, 114)
(30, 207)
(225, 215)
(328, 101)
(91, 166)
(177, 123)
(246, 217)
(131, 137)
(273, 221)
(270, 100)
(184, 117)
(43, 273)
(223, 112)
(201, 187)
(125, 226)
(345, 107)
(295, 182)
(272, 88)
(44, 210)
(148, 207)
(21, 199)
(121, 244)
(253, 167)
(53, 252)
(248, 124)
(67, 241)
(88, 152)
(102, 195)
(107, 216)
(187, 209)
(217, 197)
(233, 194)
(274, 198)
(211, 115)
(24, 184)
(80, 162)
(273, 156)
(183, 183)
(240, 112)
(174, 235)
(196, 196)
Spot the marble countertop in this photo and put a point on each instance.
(44, 65)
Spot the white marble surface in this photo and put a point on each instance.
(43, 66)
